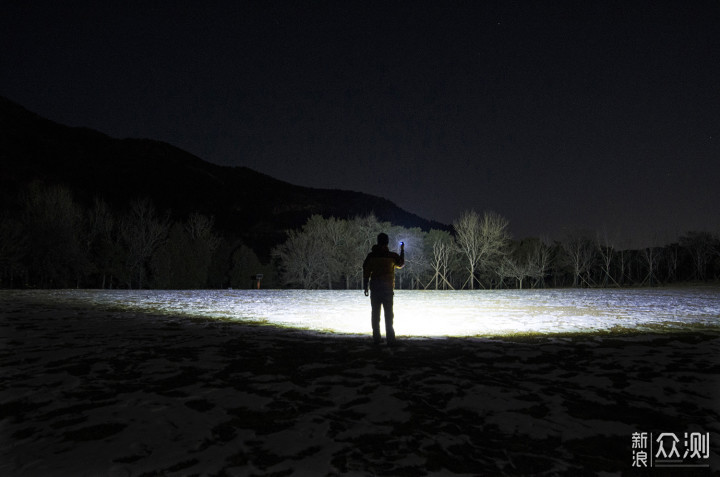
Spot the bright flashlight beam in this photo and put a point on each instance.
(430, 313)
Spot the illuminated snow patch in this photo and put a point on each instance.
(429, 313)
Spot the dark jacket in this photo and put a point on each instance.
(379, 268)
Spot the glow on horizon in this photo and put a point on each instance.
(430, 313)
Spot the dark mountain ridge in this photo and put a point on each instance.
(253, 206)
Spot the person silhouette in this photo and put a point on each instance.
(379, 274)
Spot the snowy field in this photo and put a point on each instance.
(551, 382)
(423, 313)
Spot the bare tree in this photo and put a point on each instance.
(539, 262)
(480, 241)
(528, 259)
(416, 263)
(103, 241)
(650, 257)
(245, 267)
(333, 233)
(623, 265)
(349, 250)
(312, 255)
(515, 268)
(54, 225)
(200, 227)
(12, 248)
(184, 258)
(142, 232)
(298, 259)
(439, 260)
(672, 256)
(204, 243)
(606, 252)
(579, 252)
(700, 246)
(362, 235)
(467, 229)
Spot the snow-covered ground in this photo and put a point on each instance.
(152, 383)
(423, 313)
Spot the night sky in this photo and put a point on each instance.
(560, 116)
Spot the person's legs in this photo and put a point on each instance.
(389, 316)
(375, 303)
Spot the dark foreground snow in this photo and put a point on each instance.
(112, 393)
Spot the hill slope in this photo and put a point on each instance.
(245, 203)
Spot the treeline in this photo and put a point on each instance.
(49, 240)
(328, 253)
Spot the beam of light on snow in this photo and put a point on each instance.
(429, 313)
